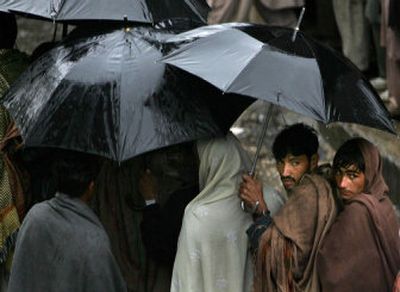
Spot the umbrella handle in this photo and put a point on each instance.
(257, 155)
(297, 28)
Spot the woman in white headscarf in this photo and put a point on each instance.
(212, 250)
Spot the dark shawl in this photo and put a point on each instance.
(62, 246)
(362, 250)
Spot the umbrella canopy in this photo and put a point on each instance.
(263, 62)
(145, 11)
(105, 94)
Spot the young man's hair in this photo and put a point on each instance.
(74, 171)
(348, 154)
(297, 139)
(8, 30)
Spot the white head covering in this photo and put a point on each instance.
(213, 248)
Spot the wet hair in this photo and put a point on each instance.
(74, 171)
(8, 30)
(348, 154)
(297, 139)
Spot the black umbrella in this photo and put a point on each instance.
(145, 11)
(105, 94)
(264, 62)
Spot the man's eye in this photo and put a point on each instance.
(352, 176)
(295, 163)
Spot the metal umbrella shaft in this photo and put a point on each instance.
(261, 140)
(257, 155)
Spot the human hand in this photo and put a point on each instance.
(396, 286)
(148, 186)
(251, 191)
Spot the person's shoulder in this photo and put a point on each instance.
(360, 204)
(38, 211)
(314, 181)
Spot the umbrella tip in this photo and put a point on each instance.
(297, 28)
(126, 27)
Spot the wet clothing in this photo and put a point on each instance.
(362, 250)
(287, 249)
(63, 247)
(212, 250)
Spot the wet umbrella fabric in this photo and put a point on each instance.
(263, 62)
(145, 11)
(107, 95)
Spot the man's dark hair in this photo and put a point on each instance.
(8, 30)
(349, 153)
(74, 171)
(297, 139)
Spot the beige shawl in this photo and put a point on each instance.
(212, 250)
(287, 252)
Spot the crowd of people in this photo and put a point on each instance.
(172, 219)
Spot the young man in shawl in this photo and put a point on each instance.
(361, 252)
(61, 245)
(286, 243)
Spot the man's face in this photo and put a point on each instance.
(350, 181)
(292, 168)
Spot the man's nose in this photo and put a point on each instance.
(343, 182)
(287, 170)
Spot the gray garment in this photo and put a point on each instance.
(354, 30)
(62, 246)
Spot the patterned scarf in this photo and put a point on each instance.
(12, 63)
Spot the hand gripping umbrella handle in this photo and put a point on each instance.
(257, 155)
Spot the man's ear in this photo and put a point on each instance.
(87, 196)
(91, 186)
(314, 161)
